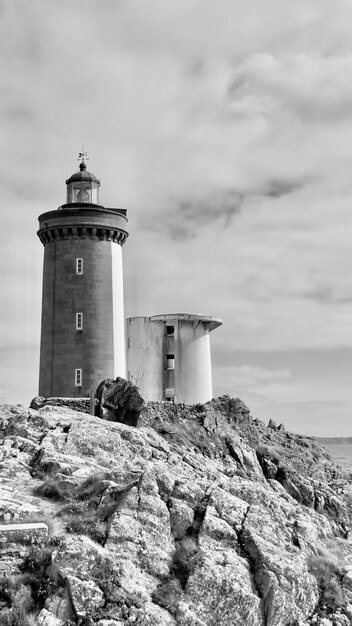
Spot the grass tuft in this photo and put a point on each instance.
(326, 569)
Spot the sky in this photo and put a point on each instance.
(225, 129)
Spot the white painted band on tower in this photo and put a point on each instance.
(118, 312)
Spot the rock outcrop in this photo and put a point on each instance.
(119, 401)
(201, 516)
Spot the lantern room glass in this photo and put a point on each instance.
(83, 192)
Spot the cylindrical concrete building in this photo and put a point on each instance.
(83, 330)
(168, 356)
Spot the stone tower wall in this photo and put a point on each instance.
(65, 293)
(98, 349)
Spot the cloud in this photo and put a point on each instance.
(258, 274)
(183, 219)
(278, 188)
(313, 87)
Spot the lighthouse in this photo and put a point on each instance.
(82, 331)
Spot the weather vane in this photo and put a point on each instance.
(83, 156)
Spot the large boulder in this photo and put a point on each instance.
(119, 401)
(37, 403)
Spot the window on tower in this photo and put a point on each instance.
(170, 394)
(170, 362)
(79, 321)
(79, 266)
(170, 330)
(78, 378)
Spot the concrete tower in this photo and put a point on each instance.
(82, 335)
(168, 356)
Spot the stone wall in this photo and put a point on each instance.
(23, 533)
(76, 404)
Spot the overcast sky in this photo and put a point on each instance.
(225, 128)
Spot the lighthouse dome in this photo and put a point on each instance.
(83, 187)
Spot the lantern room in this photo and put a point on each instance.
(83, 187)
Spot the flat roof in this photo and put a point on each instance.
(209, 320)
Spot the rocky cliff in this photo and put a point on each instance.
(201, 516)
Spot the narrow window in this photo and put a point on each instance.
(128, 342)
(79, 266)
(170, 394)
(170, 330)
(78, 378)
(79, 321)
(170, 362)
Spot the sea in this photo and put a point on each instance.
(340, 451)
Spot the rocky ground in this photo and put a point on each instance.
(201, 516)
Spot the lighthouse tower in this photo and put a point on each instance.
(82, 334)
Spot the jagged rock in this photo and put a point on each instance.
(272, 424)
(181, 517)
(85, 595)
(341, 620)
(278, 567)
(59, 603)
(119, 400)
(201, 516)
(223, 591)
(45, 618)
